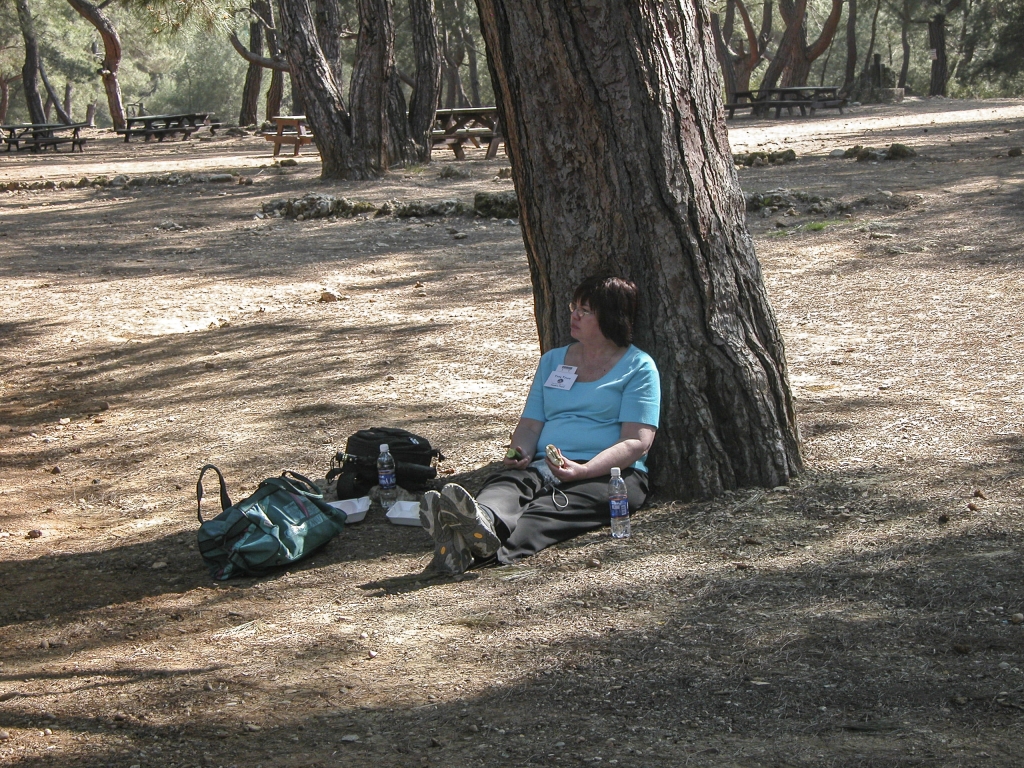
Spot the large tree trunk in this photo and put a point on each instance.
(111, 57)
(620, 157)
(248, 114)
(30, 70)
(937, 42)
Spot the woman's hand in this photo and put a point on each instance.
(569, 471)
(520, 463)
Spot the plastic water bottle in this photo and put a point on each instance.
(618, 502)
(386, 477)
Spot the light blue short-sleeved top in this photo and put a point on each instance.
(586, 419)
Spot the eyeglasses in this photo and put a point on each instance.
(578, 310)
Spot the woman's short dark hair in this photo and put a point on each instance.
(614, 300)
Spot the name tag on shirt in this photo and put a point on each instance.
(563, 377)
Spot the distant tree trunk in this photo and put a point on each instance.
(738, 64)
(850, 75)
(792, 62)
(905, 41)
(275, 93)
(726, 59)
(52, 99)
(111, 57)
(937, 42)
(474, 73)
(824, 66)
(352, 144)
(69, 92)
(90, 113)
(967, 44)
(5, 95)
(622, 164)
(248, 113)
(298, 99)
(328, 32)
(30, 70)
(427, 80)
(871, 40)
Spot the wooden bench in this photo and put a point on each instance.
(733, 106)
(43, 142)
(803, 98)
(162, 126)
(292, 130)
(159, 133)
(39, 137)
(455, 139)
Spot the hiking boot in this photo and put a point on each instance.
(451, 554)
(430, 505)
(462, 515)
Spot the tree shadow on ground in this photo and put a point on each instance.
(794, 655)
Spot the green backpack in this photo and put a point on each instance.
(283, 521)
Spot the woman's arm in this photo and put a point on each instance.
(634, 442)
(525, 439)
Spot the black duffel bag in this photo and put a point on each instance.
(356, 466)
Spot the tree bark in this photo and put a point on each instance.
(30, 70)
(620, 157)
(248, 114)
(850, 76)
(111, 57)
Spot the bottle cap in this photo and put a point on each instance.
(384, 448)
(616, 472)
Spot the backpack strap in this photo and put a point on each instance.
(225, 500)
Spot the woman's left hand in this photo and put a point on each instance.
(569, 472)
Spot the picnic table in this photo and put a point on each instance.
(39, 136)
(456, 127)
(162, 126)
(802, 97)
(291, 129)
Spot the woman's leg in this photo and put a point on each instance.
(544, 521)
(506, 494)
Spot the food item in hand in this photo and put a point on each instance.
(513, 453)
(554, 456)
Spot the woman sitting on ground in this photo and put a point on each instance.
(597, 401)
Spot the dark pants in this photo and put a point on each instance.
(530, 515)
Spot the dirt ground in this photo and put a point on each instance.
(868, 615)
